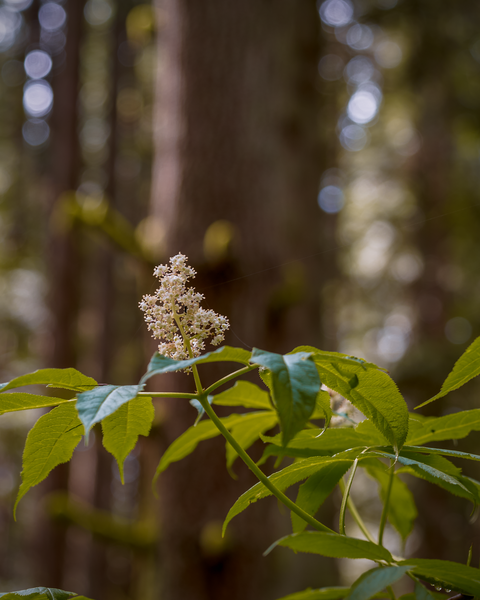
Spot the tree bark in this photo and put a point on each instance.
(237, 147)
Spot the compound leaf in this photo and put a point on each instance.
(248, 430)
(13, 401)
(122, 428)
(375, 580)
(449, 427)
(295, 385)
(50, 442)
(244, 393)
(451, 575)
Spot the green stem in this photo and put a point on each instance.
(391, 592)
(383, 518)
(356, 515)
(186, 339)
(258, 473)
(168, 395)
(228, 378)
(346, 493)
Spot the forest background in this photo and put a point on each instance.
(319, 165)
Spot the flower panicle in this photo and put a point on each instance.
(174, 315)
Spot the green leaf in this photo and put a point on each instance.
(331, 593)
(122, 428)
(316, 490)
(332, 440)
(248, 430)
(41, 593)
(375, 580)
(402, 511)
(282, 480)
(186, 443)
(334, 545)
(467, 367)
(450, 575)
(10, 402)
(337, 358)
(96, 404)
(372, 391)
(244, 393)
(66, 379)
(50, 442)
(295, 383)
(162, 364)
(434, 475)
(450, 427)
(421, 593)
(323, 409)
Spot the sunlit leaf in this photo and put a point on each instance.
(282, 480)
(316, 490)
(67, 379)
(13, 401)
(449, 427)
(295, 384)
(372, 391)
(50, 442)
(450, 575)
(96, 404)
(334, 545)
(162, 364)
(243, 393)
(122, 428)
(466, 368)
(375, 580)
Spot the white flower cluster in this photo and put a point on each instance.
(174, 313)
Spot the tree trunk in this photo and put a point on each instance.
(235, 184)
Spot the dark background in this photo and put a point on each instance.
(320, 166)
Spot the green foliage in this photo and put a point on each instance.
(42, 593)
(386, 444)
(122, 428)
(466, 368)
(374, 581)
(295, 386)
(50, 442)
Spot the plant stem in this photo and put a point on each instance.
(391, 592)
(228, 378)
(383, 518)
(168, 395)
(346, 493)
(259, 473)
(356, 515)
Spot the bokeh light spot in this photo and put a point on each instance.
(336, 13)
(37, 64)
(52, 16)
(330, 67)
(388, 54)
(362, 107)
(353, 138)
(37, 98)
(359, 37)
(331, 199)
(35, 132)
(359, 70)
(97, 12)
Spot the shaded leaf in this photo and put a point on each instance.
(466, 368)
(42, 593)
(122, 428)
(96, 404)
(248, 430)
(450, 575)
(334, 545)
(331, 593)
(67, 379)
(372, 391)
(323, 409)
(295, 384)
(162, 364)
(244, 393)
(10, 402)
(316, 490)
(50, 442)
(421, 593)
(402, 511)
(375, 580)
(449, 427)
(282, 480)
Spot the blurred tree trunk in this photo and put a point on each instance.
(235, 184)
(63, 268)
